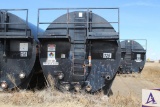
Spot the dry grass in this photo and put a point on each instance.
(59, 99)
(151, 72)
(53, 97)
(12, 79)
(124, 101)
(50, 97)
(51, 80)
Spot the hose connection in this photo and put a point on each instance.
(88, 87)
(4, 84)
(60, 76)
(89, 59)
(77, 87)
(140, 68)
(67, 87)
(107, 77)
(22, 75)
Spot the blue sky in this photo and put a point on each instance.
(139, 19)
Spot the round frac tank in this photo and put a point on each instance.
(17, 51)
(133, 57)
(78, 59)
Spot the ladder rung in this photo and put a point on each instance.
(79, 18)
(79, 57)
(128, 55)
(79, 38)
(79, 26)
(80, 21)
(79, 53)
(80, 69)
(83, 52)
(79, 61)
(77, 73)
(128, 59)
(76, 41)
(79, 49)
(79, 45)
(78, 77)
(80, 31)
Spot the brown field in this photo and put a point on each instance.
(126, 93)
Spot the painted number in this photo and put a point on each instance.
(107, 55)
(23, 54)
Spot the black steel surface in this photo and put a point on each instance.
(78, 39)
(130, 61)
(14, 32)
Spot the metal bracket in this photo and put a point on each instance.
(88, 22)
(7, 23)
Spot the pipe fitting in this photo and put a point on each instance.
(107, 77)
(60, 76)
(88, 87)
(4, 84)
(77, 87)
(67, 87)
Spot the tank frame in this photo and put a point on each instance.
(16, 31)
(66, 36)
(10, 34)
(67, 11)
(130, 48)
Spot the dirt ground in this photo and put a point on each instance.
(127, 92)
(131, 85)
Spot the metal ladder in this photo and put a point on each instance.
(3, 19)
(4, 28)
(128, 56)
(79, 49)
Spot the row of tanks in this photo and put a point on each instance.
(80, 50)
(133, 56)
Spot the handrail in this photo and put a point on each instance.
(26, 20)
(136, 40)
(67, 21)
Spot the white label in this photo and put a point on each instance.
(23, 47)
(51, 62)
(138, 58)
(107, 55)
(51, 55)
(80, 14)
(150, 98)
(51, 47)
(63, 56)
(23, 54)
